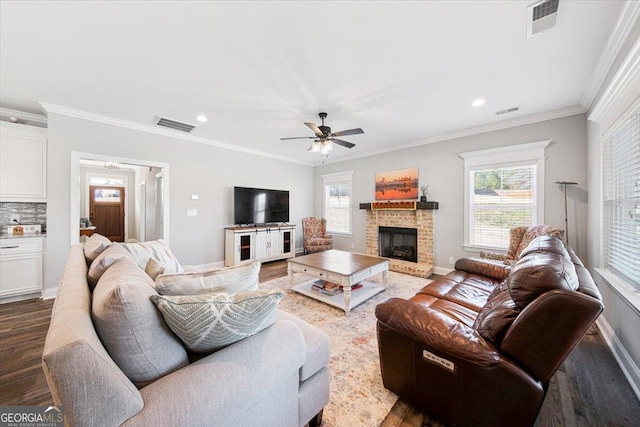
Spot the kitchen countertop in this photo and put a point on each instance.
(24, 236)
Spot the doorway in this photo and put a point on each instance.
(106, 211)
(141, 206)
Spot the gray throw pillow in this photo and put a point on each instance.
(131, 328)
(94, 246)
(230, 280)
(104, 261)
(157, 250)
(209, 322)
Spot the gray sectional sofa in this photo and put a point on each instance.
(277, 377)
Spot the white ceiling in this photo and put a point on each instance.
(404, 72)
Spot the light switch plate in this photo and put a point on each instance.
(194, 197)
(192, 212)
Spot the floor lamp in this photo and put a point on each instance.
(566, 219)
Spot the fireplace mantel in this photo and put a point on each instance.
(419, 206)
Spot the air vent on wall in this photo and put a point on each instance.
(507, 111)
(173, 124)
(541, 16)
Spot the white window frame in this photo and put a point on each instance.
(630, 290)
(512, 155)
(332, 179)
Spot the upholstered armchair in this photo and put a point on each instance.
(314, 235)
(519, 238)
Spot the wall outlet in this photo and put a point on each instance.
(15, 218)
(452, 260)
(192, 212)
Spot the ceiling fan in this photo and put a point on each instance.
(324, 139)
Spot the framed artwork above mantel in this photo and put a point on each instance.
(399, 184)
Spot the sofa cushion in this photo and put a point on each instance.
(467, 289)
(497, 315)
(104, 261)
(549, 244)
(209, 322)
(94, 246)
(157, 250)
(484, 267)
(231, 280)
(539, 272)
(131, 328)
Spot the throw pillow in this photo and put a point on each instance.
(104, 261)
(94, 246)
(206, 323)
(153, 268)
(131, 328)
(157, 250)
(231, 280)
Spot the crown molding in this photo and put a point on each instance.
(550, 115)
(624, 77)
(23, 115)
(626, 21)
(70, 112)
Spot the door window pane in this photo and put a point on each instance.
(107, 195)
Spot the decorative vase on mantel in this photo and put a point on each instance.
(423, 199)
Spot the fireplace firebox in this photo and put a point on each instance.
(398, 243)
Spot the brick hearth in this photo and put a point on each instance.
(420, 219)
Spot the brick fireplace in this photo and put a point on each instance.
(421, 218)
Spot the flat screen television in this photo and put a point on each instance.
(260, 206)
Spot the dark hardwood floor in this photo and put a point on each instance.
(589, 389)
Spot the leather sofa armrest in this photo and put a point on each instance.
(436, 330)
(484, 267)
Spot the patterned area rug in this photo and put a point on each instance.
(358, 397)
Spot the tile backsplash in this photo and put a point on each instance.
(30, 213)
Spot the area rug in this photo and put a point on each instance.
(358, 397)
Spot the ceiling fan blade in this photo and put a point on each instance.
(343, 143)
(314, 128)
(299, 137)
(357, 131)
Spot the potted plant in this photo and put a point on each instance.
(425, 192)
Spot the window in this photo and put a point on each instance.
(503, 189)
(337, 202)
(621, 216)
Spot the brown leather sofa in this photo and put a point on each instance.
(478, 346)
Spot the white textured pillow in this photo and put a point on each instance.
(231, 280)
(94, 246)
(206, 323)
(157, 250)
(104, 261)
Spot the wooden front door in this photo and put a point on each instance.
(106, 211)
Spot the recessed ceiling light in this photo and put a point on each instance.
(478, 102)
(201, 118)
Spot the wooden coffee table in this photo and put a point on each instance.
(343, 268)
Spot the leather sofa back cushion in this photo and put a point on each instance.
(539, 272)
(497, 315)
(548, 244)
(131, 328)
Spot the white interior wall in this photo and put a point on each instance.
(441, 168)
(208, 171)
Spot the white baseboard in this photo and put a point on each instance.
(628, 366)
(442, 270)
(49, 293)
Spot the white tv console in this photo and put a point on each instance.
(245, 244)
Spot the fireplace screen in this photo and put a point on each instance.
(399, 243)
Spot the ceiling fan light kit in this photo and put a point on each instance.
(324, 138)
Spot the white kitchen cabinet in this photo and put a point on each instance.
(247, 244)
(23, 163)
(21, 266)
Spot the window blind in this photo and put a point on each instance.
(622, 200)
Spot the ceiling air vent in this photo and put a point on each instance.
(507, 111)
(541, 16)
(173, 124)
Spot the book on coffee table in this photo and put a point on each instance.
(329, 288)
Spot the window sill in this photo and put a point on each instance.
(339, 234)
(478, 249)
(627, 292)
